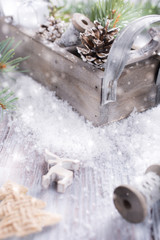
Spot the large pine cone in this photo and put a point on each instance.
(97, 43)
(52, 29)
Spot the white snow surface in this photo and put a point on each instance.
(133, 142)
(118, 152)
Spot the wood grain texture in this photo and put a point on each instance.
(80, 84)
(86, 207)
(119, 54)
(61, 71)
(136, 91)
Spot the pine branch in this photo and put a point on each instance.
(59, 12)
(67, 8)
(7, 53)
(120, 12)
(7, 100)
(7, 64)
(149, 7)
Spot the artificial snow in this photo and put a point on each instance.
(109, 156)
(57, 127)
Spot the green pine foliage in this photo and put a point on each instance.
(7, 61)
(58, 12)
(7, 100)
(83, 6)
(7, 64)
(120, 12)
(150, 8)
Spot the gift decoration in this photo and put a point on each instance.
(59, 170)
(52, 29)
(97, 42)
(134, 201)
(20, 214)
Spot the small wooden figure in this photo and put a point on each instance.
(133, 202)
(59, 170)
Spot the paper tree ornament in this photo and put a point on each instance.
(59, 170)
(21, 214)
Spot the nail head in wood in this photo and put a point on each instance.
(130, 203)
(81, 22)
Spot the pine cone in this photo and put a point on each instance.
(52, 29)
(97, 43)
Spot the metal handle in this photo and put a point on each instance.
(121, 54)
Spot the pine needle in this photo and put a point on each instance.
(7, 64)
(7, 52)
(7, 100)
(149, 8)
(120, 12)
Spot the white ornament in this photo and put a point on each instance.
(59, 170)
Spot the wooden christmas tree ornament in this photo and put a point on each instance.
(20, 214)
(133, 202)
(59, 170)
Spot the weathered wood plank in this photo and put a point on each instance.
(136, 77)
(59, 59)
(80, 84)
(62, 72)
(122, 46)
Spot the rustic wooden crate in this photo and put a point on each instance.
(80, 84)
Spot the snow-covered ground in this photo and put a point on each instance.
(133, 142)
(116, 153)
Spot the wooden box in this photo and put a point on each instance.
(80, 84)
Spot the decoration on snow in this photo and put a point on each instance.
(133, 202)
(20, 214)
(52, 29)
(97, 42)
(79, 24)
(59, 170)
(27, 13)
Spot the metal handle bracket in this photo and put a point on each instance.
(121, 55)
